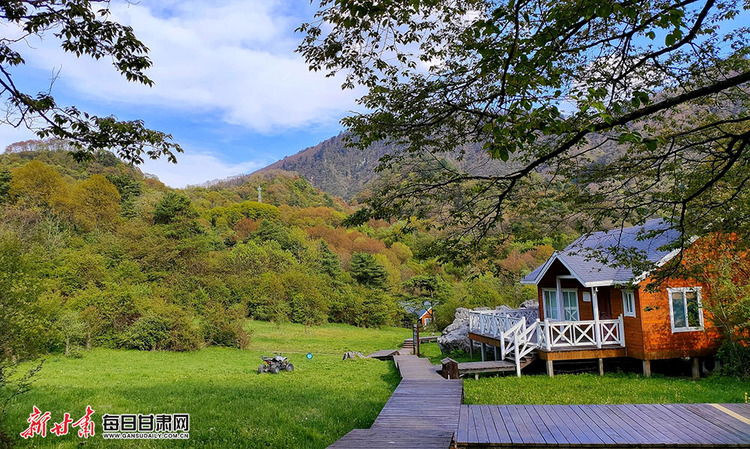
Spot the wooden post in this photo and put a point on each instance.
(484, 349)
(647, 368)
(415, 338)
(696, 370)
(471, 348)
(601, 366)
(450, 368)
(550, 369)
(496, 348)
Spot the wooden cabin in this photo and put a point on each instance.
(592, 308)
(425, 316)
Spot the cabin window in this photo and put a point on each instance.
(685, 309)
(550, 304)
(570, 304)
(628, 302)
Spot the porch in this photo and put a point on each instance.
(519, 334)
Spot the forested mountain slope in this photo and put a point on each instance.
(97, 253)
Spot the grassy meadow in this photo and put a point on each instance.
(590, 388)
(230, 405)
(612, 388)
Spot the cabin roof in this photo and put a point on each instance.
(590, 259)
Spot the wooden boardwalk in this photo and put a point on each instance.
(422, 413)
(611, 426)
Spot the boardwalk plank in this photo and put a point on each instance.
(534, 418)
(500, 426)
(686, 428)
(585, 433)
(609, 430)
(554, 427)
(623, 428)
(709, 428)
(422, 413)
(489, 425)
(529, 432)
(722, 420)
(462, 433)
(482, 436)
(472, 427)
(572, 437)
(659, 426)
(515, 435)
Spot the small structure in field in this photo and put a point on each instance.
(590, 307)
(425, 316)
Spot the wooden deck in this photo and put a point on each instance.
(475, 368)
(611, 426)
(384, 354)
(422, 413)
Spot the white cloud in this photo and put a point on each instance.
(235, 58)
(197, 167)
(9, 135)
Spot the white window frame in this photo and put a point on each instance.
(544, 302)
(625, 294)
(683, 290)
(562, 304)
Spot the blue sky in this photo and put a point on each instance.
(229, 87)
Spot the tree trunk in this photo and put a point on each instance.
(67, 345)
(88, 341)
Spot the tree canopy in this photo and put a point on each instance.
(623, 110)
(83, 28)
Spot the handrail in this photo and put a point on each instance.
(515, 333)
(550, 334)
(569, 334)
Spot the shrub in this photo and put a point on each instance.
(148, 333)
(734, 358)
(226, 326)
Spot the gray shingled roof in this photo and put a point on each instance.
(584, 256)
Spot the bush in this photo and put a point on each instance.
(148, 333)
(167, 328)
(226, 326)
(734, 358)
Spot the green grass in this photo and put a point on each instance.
(230, 405)
(614, 388)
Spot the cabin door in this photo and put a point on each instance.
(604, 303)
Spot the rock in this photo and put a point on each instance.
(456, 340)
(354, 355)
(455, 337)
(503, 308)
(530, 304)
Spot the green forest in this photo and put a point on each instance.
(100, 254)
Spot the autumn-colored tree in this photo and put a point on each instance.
(722, 264)
(97, 203)
(36, 184)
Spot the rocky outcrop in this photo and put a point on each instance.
(455, 337)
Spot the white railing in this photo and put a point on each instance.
(494, 322)
(553, 335)
(519, 336)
